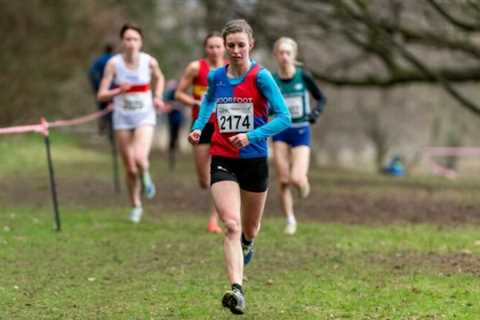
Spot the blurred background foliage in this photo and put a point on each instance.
(399, 75)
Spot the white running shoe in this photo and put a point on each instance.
(136, 214)
(290, 228)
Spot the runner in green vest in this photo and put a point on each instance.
(291, 148)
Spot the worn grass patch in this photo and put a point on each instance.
(102, 267)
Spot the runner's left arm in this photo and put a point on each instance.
(158, 79)
(207, 105)
(282, 119)
(317, 94)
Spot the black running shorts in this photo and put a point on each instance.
(250, 174)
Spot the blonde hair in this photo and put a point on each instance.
(235, 26)
(286, 40)
(292, 43)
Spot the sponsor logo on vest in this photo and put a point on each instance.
(132, 77)
(234, 100)
(298, 86)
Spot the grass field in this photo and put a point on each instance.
(381, 263)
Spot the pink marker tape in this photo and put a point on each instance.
(440, 170)
(44, 125)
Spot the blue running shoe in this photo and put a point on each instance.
(148, 186)
(247, 253)
(235, 301)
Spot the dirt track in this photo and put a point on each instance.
(336, 197)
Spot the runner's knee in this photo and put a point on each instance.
(297, 180)
(142, 163)
(232, 228)
(132, 169)
(204, 181)
(283, 182)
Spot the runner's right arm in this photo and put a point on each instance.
(106, 94)
(186, 81)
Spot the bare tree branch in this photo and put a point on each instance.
(402, 76)
(431, 39)
(371, 23)
(459, 23)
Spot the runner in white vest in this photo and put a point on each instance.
(137, 91)
(134, 108)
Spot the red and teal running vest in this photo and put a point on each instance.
(239, 108)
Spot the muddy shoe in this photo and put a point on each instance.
(234, 300)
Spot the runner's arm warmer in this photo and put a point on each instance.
(282, 119)
(317, 95)
(207, 105)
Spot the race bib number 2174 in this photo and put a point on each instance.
(235, 117)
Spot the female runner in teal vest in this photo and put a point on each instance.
(291, 148)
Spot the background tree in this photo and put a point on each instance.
(425, 54)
